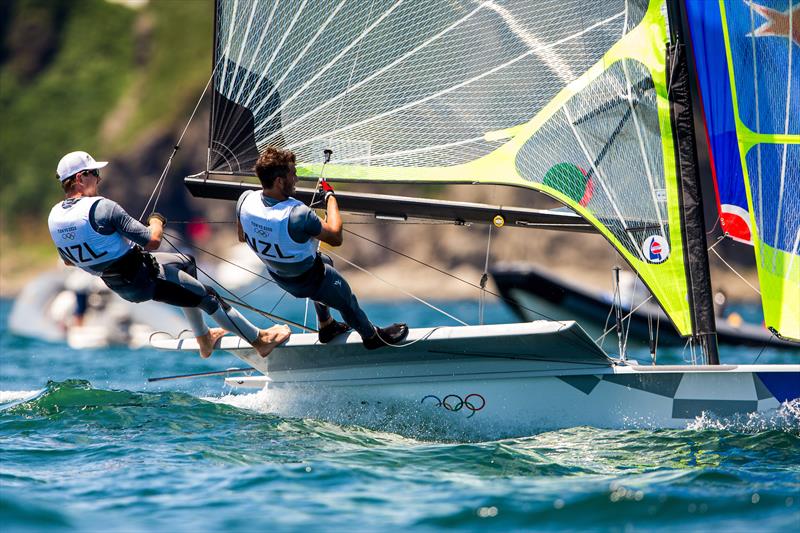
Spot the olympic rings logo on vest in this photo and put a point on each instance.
(473, 402)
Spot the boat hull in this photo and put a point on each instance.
(468, 383)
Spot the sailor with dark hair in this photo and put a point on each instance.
(284, 233)
(95, 234)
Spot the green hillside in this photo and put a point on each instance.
(92, 75)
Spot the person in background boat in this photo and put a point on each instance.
(284, 233)
(80, 284)
(96, 235)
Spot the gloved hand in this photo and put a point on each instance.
(326, 189)
(159, 217)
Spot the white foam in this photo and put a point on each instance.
(784, 418)
(15, 395)
(256, 401)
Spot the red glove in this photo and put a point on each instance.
(326, 189)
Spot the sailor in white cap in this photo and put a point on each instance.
(97, 235)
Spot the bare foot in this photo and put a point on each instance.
(268, 339)
(208, 341)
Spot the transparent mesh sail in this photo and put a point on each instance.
(763, 49)
(564, 96)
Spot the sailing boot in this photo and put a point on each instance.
(331, 331)
(391, 335)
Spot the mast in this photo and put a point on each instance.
(682, 89)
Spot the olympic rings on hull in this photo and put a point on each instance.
(453, 402)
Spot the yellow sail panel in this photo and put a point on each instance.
(567, 97)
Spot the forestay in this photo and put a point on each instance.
(567, 97)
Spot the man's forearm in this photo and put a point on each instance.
(334, 219)
(156, 232)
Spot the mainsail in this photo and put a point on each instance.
(762, 45)
(567, 97)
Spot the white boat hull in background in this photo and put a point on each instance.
(45, 307)
(498, 381)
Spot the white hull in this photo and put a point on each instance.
(44, 311)
(501, 381)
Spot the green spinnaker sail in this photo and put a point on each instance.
(763, 53)
(567, 97)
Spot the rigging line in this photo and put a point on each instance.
(272, 317)
(238, 301)
(763, 347)
(583, 343)
(608, 317)
(326, 157)
(658, 325)
(735, 272)
(160, 183)
(484, 278)
(609, 330)
(711, 231)
(420, 300)
(439, 270)
(178, 237)
(630, 317)
(241, 334)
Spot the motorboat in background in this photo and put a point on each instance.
(533, 292)
(46, 310)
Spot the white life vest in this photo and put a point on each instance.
(266, 231)
(78, 242)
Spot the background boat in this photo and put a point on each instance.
(533, 291)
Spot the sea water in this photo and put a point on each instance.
(87, 444)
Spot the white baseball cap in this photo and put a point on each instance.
(74, 162)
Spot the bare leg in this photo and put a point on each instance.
(208, 341)
(268, 339)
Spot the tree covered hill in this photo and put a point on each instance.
(98, 76)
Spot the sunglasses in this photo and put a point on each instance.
(94, 172)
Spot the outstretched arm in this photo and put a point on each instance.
(332, 226)
(110, 217)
